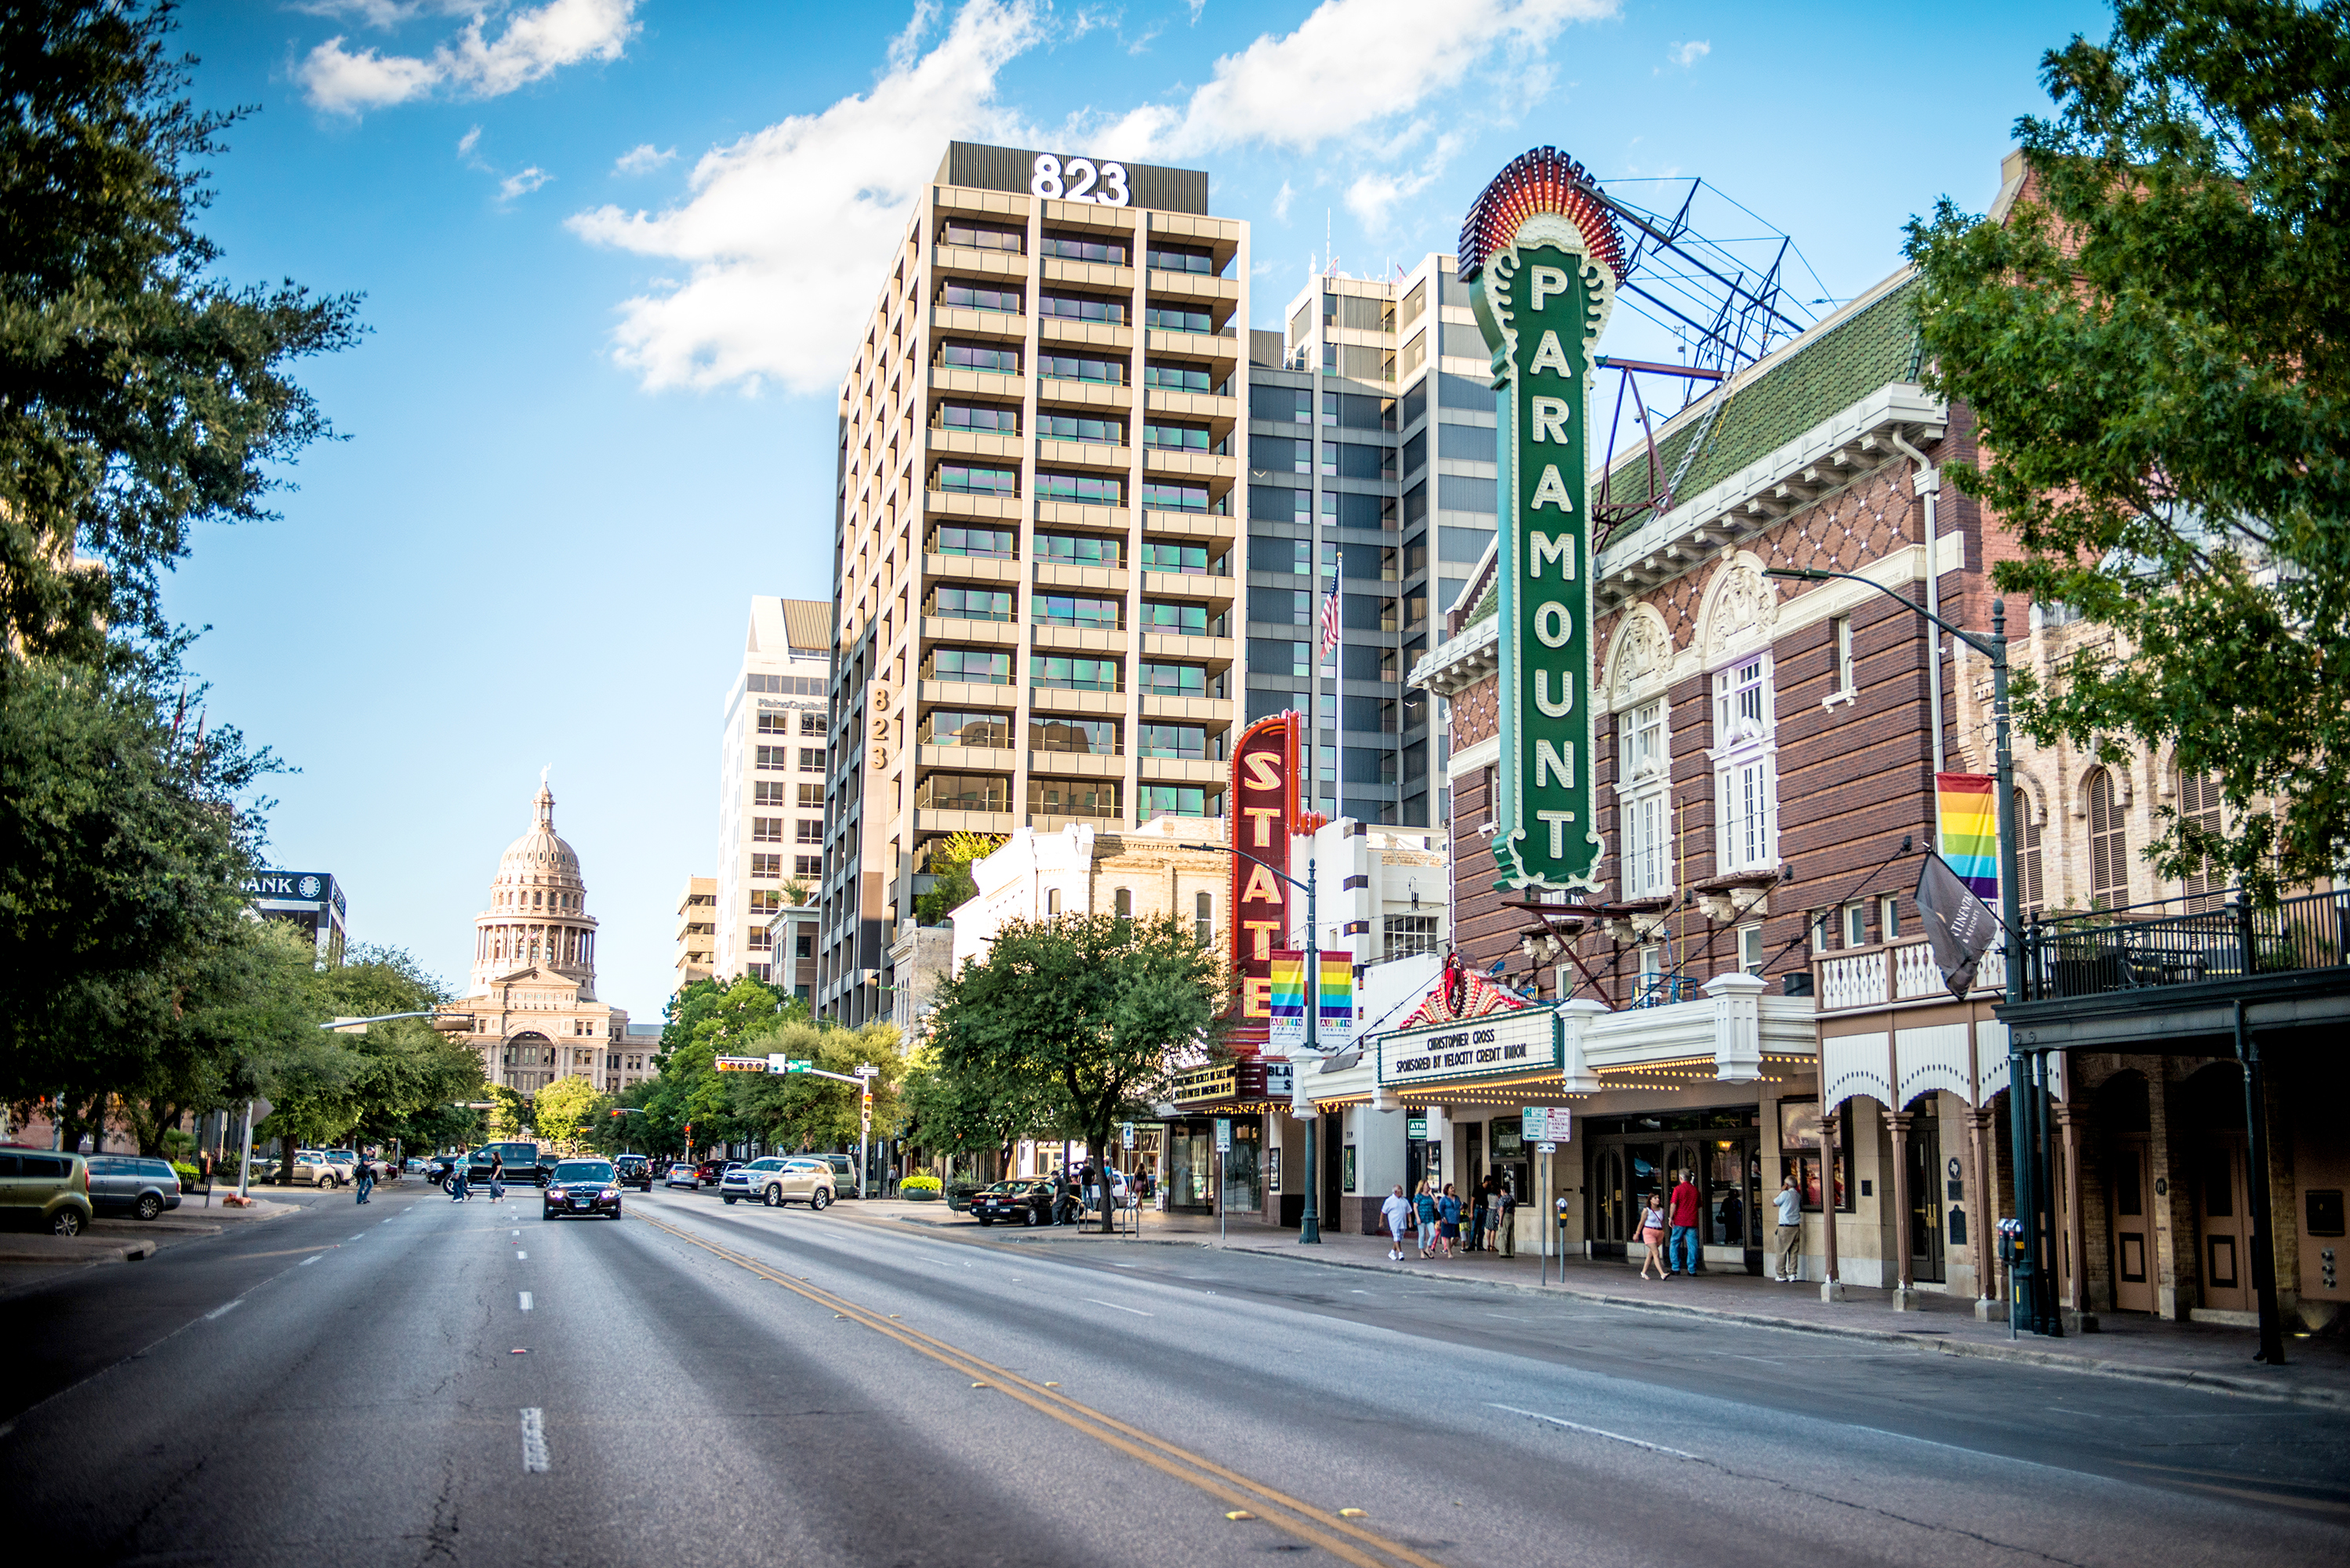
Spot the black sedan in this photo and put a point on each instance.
(634, 1170)
(589, 1187)
(1026, 1201)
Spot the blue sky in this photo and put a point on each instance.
(613, 252)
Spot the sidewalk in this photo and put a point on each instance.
(2317, 1371)
(29, 1256)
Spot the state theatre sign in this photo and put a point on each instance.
(1542, 256)
(1260, 813)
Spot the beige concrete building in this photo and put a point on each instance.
(532, 992)
(697, 929)
(1038, 545)
(1144, 873)
(771, 774)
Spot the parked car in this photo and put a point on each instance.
(685, 1175)
(710, 1170)
(417, 1165)
(438, 1169)
(634, 1170)
(581, 1187)
(51, 1189)
(844, 1172)
(1025, 1200)
(524, 1163)
(133, 1184)
(780, 1180)
(313, 1169)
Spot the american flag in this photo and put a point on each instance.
(1330, 616)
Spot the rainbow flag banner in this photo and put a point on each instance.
(1334, 1030)
(1287, 1000)
(1966, 810)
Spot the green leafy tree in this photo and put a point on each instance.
(140, 394)
(951, 885)
(1077, 1016)
(2157, 341)
(705, 1020)
(563, 1109)
(793, 1111)
(962, 1115)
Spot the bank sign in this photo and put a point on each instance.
(1543, 258)
(1499, 1045)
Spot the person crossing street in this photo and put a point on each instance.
(366, 1182)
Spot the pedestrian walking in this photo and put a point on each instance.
(365, 1183)
(1423, 1206)
(1790, 1232)
(1505, 1204)
(1448, 1220)
(1652, 1236)
(1686, 1201)
(1394, 1214)
(458, 1187)
(498, 1176)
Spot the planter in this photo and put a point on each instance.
(918, 1196)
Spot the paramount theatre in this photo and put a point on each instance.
(1693, 790)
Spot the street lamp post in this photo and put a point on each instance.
(1309, 1221)
(2025, 1117)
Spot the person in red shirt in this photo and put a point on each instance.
(1683, 1211)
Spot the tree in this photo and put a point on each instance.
(797, 1111)
(962, 1114)
(1077, 1016)
(951, 885)
(139, 394)
(2157, 342)
(562, 1109)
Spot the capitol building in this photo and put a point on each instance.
(532, 990)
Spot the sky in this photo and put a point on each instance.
(614, 255)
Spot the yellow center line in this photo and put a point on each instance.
(1318, 1527)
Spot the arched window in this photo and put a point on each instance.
(1203, 920)
(2198, 803)
(2108, 844)
(2032, 892)
(1123, 901)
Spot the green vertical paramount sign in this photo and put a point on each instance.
(1542, 256)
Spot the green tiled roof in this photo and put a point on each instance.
(1876, 345)
(1490, 605)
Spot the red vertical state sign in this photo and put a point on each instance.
(1260, 812)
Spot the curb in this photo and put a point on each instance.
(2209, 1382)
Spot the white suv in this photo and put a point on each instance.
(779, 1179)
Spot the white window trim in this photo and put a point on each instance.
(1757, 749)
(1650, 789)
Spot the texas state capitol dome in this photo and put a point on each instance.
(533, 992)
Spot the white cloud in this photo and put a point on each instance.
(1197, 6)
(1280, 200)
(642, 159)
(524, 183)
(1689, 54)
(467, 142)
(1341, 71)
(533, 44)
(786, 230)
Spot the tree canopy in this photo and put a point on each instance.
(2157, 342)
(1076, 1016)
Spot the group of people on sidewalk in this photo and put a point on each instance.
(1435, 1217)
(1670, 1230)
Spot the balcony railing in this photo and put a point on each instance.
(1899, 971)
(2184, 941)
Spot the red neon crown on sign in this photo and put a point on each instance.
(1542, 180)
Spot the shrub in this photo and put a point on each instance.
(919, 1182)
(189, 1174)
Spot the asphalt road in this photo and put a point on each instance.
(421, 1382)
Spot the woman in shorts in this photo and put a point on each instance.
(1652, 1233)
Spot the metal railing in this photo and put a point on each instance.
(2183, 942)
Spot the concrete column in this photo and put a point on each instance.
(1981, 1208)
(2072, 1260)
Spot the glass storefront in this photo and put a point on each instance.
(1633, 1159)
(1190, 1166)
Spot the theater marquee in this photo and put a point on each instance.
(1543, 258)
(1523, 1044)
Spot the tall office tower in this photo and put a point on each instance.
(1036, 544)
(771, 774)
(1371, 431)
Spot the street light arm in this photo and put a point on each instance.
(379, 1018)
(1226, 849)
(1981, 645)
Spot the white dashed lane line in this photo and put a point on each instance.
(525, 1300)
(520, 1254)
(533, 1441)
(310, 1259)
(223, 1311)
(1115, 1307)
(1597, 1432)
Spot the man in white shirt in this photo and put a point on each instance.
(1395, 1213)
(1790, 1204)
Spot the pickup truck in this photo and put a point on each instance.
(523, 1165)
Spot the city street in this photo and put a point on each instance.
(418, 1381)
